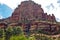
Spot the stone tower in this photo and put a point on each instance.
(29, 10)
(31, 17)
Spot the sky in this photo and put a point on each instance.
(5, 11)
(49, 6)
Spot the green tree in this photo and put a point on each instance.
(17, 30)
(31, 38)
(18, 34)
(1, 34)
(8, 33)
(20, 37)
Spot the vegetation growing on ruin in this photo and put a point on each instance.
(16, 33)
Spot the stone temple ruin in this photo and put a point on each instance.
(31, 17)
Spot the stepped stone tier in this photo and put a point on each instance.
(30, 16)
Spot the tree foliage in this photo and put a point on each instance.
(16, 33)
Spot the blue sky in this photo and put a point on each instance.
(49, 6)
(5, 11)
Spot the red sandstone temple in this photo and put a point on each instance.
(31, 16)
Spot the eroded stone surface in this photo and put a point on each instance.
(31, 17)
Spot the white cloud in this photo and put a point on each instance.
(45, 3)
(11, 3)
(58, 20)
(56, 10)
(1, 16)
